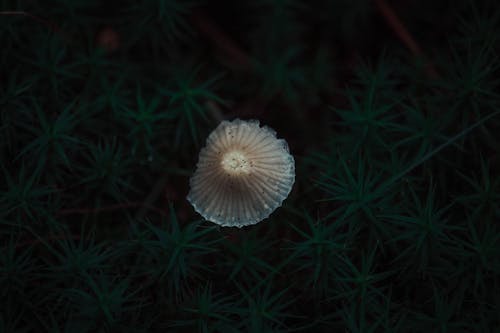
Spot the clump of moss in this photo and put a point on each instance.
(391, 115)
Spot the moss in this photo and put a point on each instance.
(392, 224)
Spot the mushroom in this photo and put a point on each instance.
(243, 174)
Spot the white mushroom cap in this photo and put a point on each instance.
(243, 174)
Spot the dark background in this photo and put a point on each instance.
(390, 109)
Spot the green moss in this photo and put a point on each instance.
(393, 221)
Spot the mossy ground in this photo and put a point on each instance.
(393, 224)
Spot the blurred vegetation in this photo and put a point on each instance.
(393, 224)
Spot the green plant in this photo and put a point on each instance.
(390, 110)
(317, 252)
(184, 101)
(175, 255)
(245, 258)
(265, 310)
(425, 229)
(208, 312)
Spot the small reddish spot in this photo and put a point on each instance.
(108, 39)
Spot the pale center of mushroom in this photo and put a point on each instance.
(235, 162)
